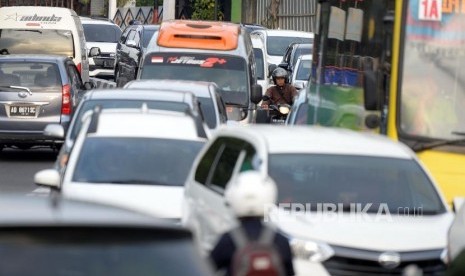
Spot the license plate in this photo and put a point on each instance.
(108, 63)
(23, 111)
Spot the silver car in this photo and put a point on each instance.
(36, 90)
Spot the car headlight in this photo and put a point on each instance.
(311, 250)
(284, 110)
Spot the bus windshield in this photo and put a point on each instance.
(432, 92)
(229, 73)
(37, 41)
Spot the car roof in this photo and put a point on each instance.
(34, 57)
(140, 94)
(132, 122)
(305, 57)
(31, 211)
(99, 20)
(320, 140)
(198, 88)
(288, 33)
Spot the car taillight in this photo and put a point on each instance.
(79, 67)
(66, 100)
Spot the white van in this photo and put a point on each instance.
(44, 30)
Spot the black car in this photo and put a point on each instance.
(293, 52)
(58, 236)
(36, 90)
(129, 51)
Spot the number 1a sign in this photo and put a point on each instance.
(430, 10)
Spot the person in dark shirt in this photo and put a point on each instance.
(282, 92)
(248, 195)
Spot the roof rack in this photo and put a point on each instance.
(209, 35)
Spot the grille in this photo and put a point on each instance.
(348, 261)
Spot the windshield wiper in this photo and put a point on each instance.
(421, 147)
(5, 87)
(133, 181)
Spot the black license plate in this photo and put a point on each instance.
(23, 111)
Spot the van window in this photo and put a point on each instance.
(260, 63)
(228, 72)
(277, 45)
(44, 41)
(101, 33)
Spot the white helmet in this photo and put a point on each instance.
(250, 193)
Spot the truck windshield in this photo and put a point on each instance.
(43, 41)
(229, 73)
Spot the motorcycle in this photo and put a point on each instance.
(275, 114)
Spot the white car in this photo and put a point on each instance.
(276, 42)
(301, 74)
(103, 34)
(351, 203)
(134, 158)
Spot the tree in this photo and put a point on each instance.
(205, 10)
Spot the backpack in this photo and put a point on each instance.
(255, 258)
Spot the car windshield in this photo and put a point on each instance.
(43, 41)
(98, 251)
(90, 104)
(101, 33)
(316, 179)
(277, 45)
(135, 160)
(228, 72)
(208, 111)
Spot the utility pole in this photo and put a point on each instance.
(111, 9)
(169, 7)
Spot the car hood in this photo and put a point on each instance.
(159, 201)
(369, 232)
(105, 47)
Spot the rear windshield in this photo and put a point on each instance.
(37, 76)
(95, 251)
(101, 33)
(277, 45)
(148, 33)
(44, 41)
(90, 104)
(228, 72)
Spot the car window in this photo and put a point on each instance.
(277, 45)
(147, 35)
(303, 72)
(260, 63)
(96, 251)
(74, 77)
(208, 111)
(101, 33)
(38, 76)
(44, 41)
(207, 162)
(221, 108)
(137, 38)
(345, 180)
(124, 35)
(135, 160)
(90, 104)
(131, 35)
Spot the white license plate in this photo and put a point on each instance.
(23, 111)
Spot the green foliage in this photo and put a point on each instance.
(205, 10)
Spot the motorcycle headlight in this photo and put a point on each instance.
(284, 110)
(311, 250)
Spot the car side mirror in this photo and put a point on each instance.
(457, 203)
(88, 85)
(48, 177)
(284, 65)
(298, 85)
(94, 51)
(271, 68)
(256, 95)
(132, 44)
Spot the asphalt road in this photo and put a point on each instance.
(17, 168)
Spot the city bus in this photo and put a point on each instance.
(396, 68)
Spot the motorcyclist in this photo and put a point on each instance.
(248, 195)
(282, 92)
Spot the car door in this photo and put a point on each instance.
(208, 213)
